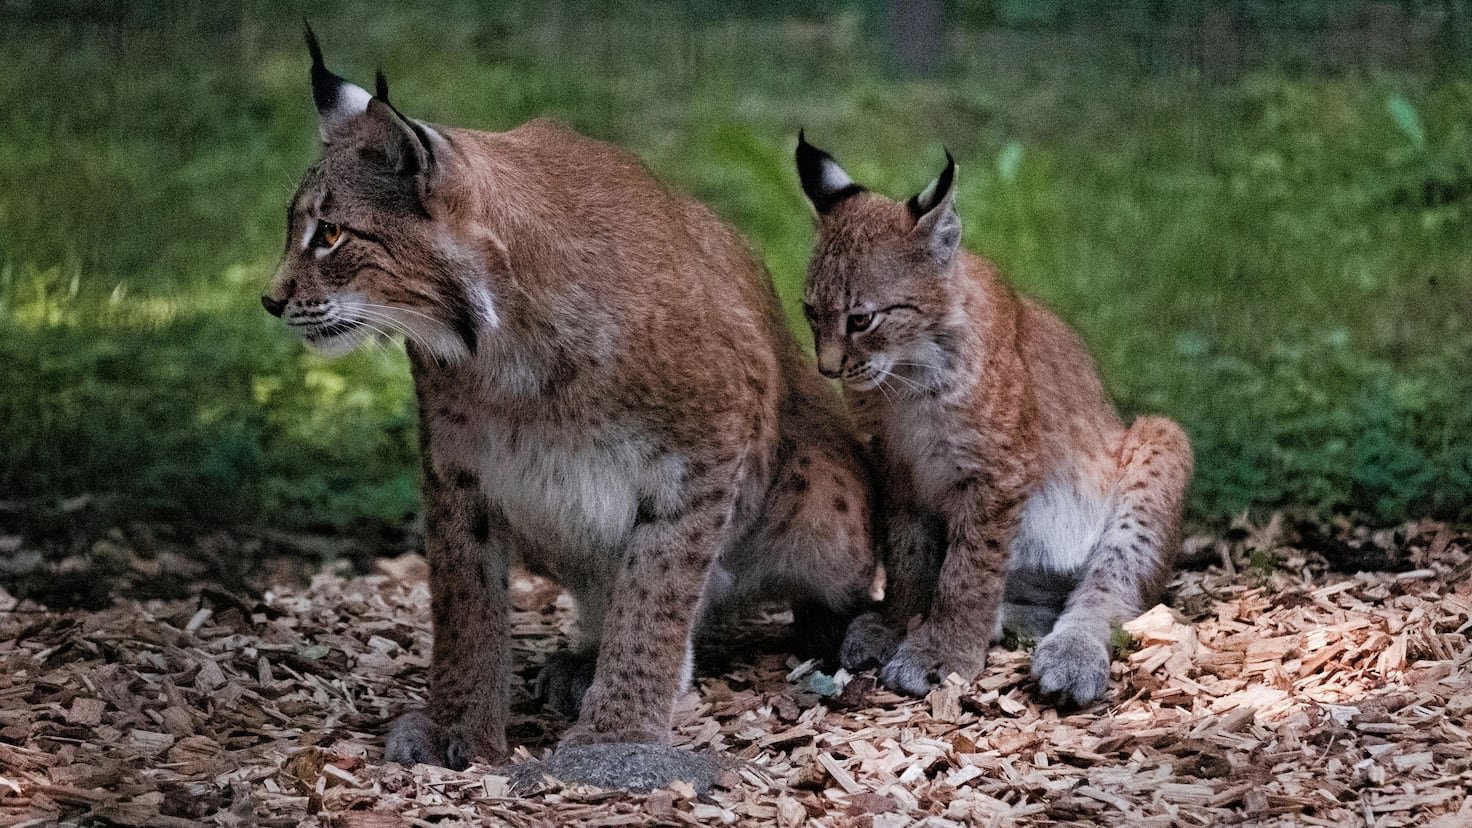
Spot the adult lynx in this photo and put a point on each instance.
(606, 389)
(1010, 481)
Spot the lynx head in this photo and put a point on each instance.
(370, 247)
(876, 289)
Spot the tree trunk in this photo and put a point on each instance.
(914, 30)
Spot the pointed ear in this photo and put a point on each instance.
(937, 224)
(405, 145)
(337, 100)
(824, 182)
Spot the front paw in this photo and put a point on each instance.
(564, 680)
(1073, 666)
(415, 739)
(917, 666)
(868, 642)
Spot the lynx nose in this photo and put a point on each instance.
(273, 306)
(830, 362)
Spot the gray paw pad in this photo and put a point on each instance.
(1073, 666)
(910, 672)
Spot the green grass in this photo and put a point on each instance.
(1251, 255)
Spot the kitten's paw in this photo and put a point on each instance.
(564, 679)
(415, 740)
(917, 666)
(1073, 666)
(868, 642)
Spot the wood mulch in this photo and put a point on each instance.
(1279, 688)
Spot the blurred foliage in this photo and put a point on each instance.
(1275, 253)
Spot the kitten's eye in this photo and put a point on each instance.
(860, 322)
(327, 236)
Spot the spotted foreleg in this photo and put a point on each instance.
(470, 669)
(814, 544)
(645, 652)
(1129, 564)
(567, 674)
(954, 636)
(912, 550)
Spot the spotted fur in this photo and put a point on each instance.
(606, 390)
(1013, 491)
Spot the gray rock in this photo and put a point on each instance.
(622, 766)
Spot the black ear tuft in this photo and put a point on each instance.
(937, 224)
(824, 182)
(380, 86)
(324, 83)
(313, 47)
(927, 199)
(337, 100)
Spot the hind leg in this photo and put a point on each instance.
(567, 674)
(1032, 601)
(1130, 562)
(1025, 620)
(913, 547)
(814, 545)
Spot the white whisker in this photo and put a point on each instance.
(397, 308)
(880, 385)
(365, 311)
(909, 382)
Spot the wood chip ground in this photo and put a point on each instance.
(1272, 691)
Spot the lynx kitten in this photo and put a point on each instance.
(1013, 492)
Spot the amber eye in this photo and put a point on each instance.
(860, 322)
(327, 236)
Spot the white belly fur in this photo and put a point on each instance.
(563, 493)
(1061, 523)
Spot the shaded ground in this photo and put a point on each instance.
(1282, 689)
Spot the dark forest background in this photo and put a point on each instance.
(1257, 213)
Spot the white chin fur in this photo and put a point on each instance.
(441, 343)
(333, 347)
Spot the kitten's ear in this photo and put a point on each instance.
(404, 144)
(936, 222)
(337, 100)
(823, 180)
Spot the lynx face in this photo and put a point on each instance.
(876, 293)
(366, 255)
